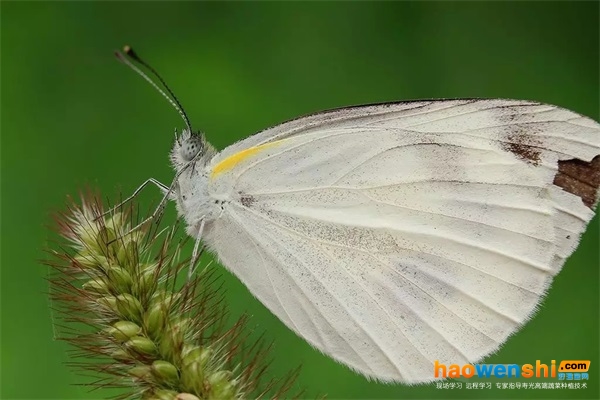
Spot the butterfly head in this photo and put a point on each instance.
(187, 147)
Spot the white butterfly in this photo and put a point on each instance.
(393, 235)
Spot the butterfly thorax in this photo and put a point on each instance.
(190, 157)
(193, 201)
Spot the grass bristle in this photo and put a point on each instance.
(135, 322)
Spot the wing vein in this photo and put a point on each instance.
(275, 291)
(463, 219)
(304, 293)
(343, 305)
(454, 115)
(371, 256)
(312, 188)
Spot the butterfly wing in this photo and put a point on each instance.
(391, 236)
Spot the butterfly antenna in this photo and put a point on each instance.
(171, 98)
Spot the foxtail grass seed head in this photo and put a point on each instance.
(137, 325)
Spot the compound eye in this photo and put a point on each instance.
(190, 148)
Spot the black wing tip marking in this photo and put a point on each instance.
(580, 178)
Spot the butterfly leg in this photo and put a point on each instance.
(167, 191)
(196, 252)
(163, 188)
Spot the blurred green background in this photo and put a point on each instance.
(72, 115)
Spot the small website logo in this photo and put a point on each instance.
(566, 370)
(574, 366)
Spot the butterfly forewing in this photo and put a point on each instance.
(390, 236)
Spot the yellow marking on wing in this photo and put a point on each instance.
(233, 160)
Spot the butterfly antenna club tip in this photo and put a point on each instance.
(168, 94)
